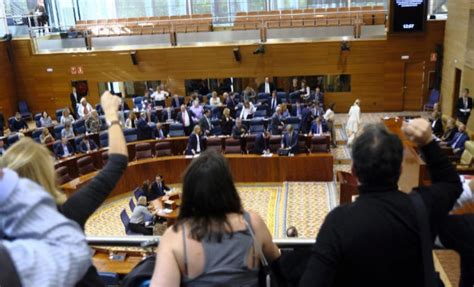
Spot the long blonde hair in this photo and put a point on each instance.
(35, 162)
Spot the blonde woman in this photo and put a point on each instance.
(227, 122)
(46, 137)
(34, 161)
(353, 123)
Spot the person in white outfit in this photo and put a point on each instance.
(353, 123)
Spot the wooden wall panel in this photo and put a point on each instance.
(375, 65)
(8, 100)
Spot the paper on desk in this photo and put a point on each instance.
(165, 211)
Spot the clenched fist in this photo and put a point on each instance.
(418, 131)
(110, 105)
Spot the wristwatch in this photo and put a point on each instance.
(114, 122)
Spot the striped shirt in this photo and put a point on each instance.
(46, 248)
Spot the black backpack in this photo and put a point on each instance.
(142, 272)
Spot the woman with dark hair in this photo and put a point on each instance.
(215, 241)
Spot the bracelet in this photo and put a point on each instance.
(115, 122)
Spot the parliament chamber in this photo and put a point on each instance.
(171, 135)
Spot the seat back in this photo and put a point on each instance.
(136, 193)
(138, 103)
(143, 150)
(12, 138)
(214, 144)
(275, 143)
(349, 186)
(434, 97)
(232, 146)
(131, 204)
(104, 139)
(163, 148)
(250, 146)
(38, 120)
(79, 127)
(303, 147)
(130, 134)
(57, 131)
(36, 134)
(77, 142)
(256, 126)
(176, 130)
(320, 144)
(109, 278)
(23, 107)
(260, 114)
(125, 220)
(59, 114)
(85, 165)
(62, 175)
(11, 120)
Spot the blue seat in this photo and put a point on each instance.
(130, 134)
(263, 98)
(125, 221)
(260, 114)
(216, 128)
(138, 103)
(38, 120)
(79, 127)
(256, 126)
(99, 109)
(282, 96)
(109, 278)
(77, 142)
(24, 110)
(131, 204)
(176, 130)
(295, 96)
(154, 116)
(103, 123)
(36, 134)
(11, 120)
(13, 138)
(294, 121)
(57, 131)
(104, 139)
(433, 99)
(137, 193)
(59, 114)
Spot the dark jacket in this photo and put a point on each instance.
(143, 130)
(59, 150)
(460, 105)
(193, 143)
(261, 88)
(291, 142)
(458, 141)
(238, 132)
(314, 128)
(157, 191)
(306, 119)
(226, 126)
(18, 125)
(376, 237)
(83, 146)
(275, 124)
(179, 118)
(437, 128)
(159, 134)
(165, 116)
(176, 103)
(206, 125)
(75, 101)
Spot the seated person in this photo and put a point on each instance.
(144, 190)
(205, 123)
(131, 121)
(195, 145)
(46, 137)
(87, 145)
(45, 120)
(93, 123)
(437, 124)
(64, 148)
(239, 130)
(215, 100)
(450, 132)
(67, 131)
(137, 220)
(318, 127)
(19, 125)
(67, 117)
(262, 143)
(167, 115)
(290, 140)
(197, 110)
(159, 133)
(143, 129)
(318, 111)
(276, 125)
(157, 189)
(458, 141)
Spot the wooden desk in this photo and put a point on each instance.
(414, 170)
(103, 264)
(170, 217)
(244, 168)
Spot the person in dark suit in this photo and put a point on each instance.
(306, 119)
(458, 141)
(318, 127)
(437, 124)
(388, 230)
(262, 143)
(276, 124)
(158, 132)
(158, 188)
(290, 140)
(75, 99)
(195, 142)
(231, 103)
(205, 123)
(87, 145)
(319, 96)
(176, 101)
(464, 107)
(19, 125)
(227, 122)
(297, 109)
(239, 130)
(168, 114)
(266, 87)
(273, 103)
(143, 129)
(294, 86)
(63, 149)
(185, 117)
(2, 124)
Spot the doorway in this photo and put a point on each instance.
(413, 86)
(456, 88)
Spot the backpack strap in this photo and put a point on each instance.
(8, 276)
(425, 239)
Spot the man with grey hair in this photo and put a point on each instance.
(276, 125)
